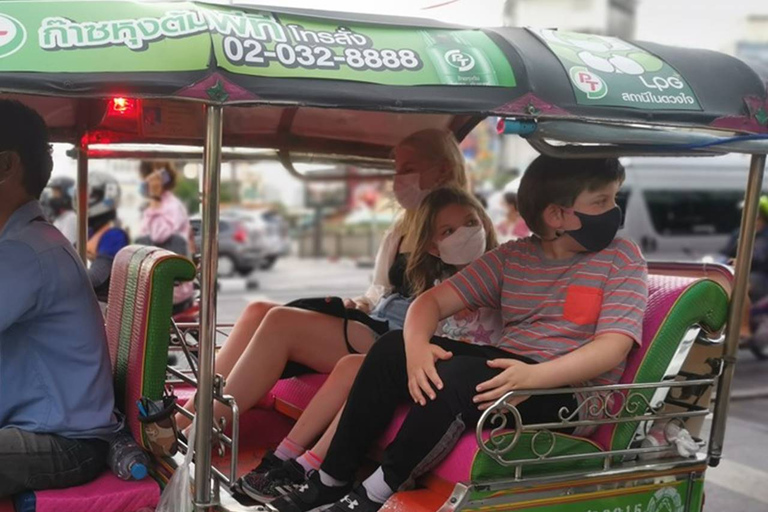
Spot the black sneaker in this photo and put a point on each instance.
(311, 496)
(356, 501)
(269, 462)
(274, 483)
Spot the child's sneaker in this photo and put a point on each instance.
(311, 496)
(278, 481)
(356, 501)
(269, 462)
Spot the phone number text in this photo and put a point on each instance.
(250, 52)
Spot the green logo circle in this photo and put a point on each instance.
(13, 35)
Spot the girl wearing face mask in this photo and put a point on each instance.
(305, 338)
(458, 231)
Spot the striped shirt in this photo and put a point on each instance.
(552, 307)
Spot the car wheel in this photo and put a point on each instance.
(226, 266)
(244, 271)
(268, 262)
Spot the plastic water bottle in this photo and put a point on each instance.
(126, 458)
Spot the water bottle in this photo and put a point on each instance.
(126, 458)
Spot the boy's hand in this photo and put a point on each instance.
(421, 371)
(516, 375)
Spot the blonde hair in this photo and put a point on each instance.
(424, 269)
(441, 148)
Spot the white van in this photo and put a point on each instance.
(682, 208)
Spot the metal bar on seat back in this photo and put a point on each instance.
(211, 181)
(738, 303)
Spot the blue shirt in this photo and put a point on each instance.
(55, 373)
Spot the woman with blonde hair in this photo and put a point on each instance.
(307, 332)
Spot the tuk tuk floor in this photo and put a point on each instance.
(262, 429)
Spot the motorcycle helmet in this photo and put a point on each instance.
(103, 199)
(58, 196)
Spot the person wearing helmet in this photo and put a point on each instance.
(758, 277)
(57, 201)
(105, 237)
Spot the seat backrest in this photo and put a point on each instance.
(139, 322)
(675, 306)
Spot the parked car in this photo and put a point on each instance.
(272, 230)
(241, 248)
(682, 208)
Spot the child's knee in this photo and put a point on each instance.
(349, 364)
(346, 369)
(255, 311)
(279, 316)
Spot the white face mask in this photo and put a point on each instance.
(463, 246)
(408, 192)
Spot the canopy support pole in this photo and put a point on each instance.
(210, 250)
(82, 199)
(738, 304)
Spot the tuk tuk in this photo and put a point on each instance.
(247, 83)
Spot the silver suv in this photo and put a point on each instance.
(241, 246)
(272, 230)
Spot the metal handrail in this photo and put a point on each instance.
(497, 445)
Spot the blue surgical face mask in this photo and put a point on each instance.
(144, 189)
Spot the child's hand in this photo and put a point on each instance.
(516, 375)
(421, 371)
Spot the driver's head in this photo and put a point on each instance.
(25, 152)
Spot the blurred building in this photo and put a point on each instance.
(608, 17)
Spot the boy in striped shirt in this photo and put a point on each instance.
(572, 299)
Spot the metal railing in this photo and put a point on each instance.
(180, 339)
(605, 405)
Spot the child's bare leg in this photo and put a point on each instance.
(320, 449)
(241, 335)
(245, 327)
(288, 334)
(326, 404)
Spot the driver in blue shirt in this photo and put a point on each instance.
(56, 395)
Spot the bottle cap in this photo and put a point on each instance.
(138, 471)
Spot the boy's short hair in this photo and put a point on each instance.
(559, 181)
(24, 132)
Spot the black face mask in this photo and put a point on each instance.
(597, 231)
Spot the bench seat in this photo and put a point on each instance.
(675, 306)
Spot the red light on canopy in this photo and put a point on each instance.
(123, 107)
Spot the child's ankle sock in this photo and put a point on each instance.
(376, 487)
(328, 481)
(288, 450)
(310, 461)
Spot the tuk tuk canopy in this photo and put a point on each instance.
(338, 83)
